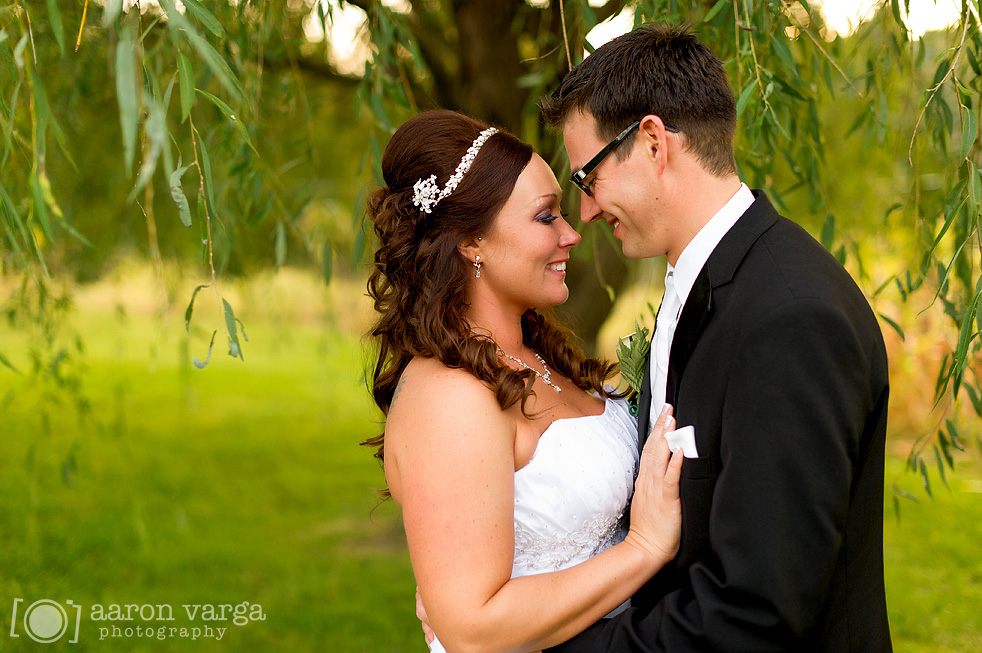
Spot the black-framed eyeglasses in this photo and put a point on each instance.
(581, 174)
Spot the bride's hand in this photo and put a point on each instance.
(428, 633)
(656, 511)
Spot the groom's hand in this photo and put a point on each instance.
(428, 634)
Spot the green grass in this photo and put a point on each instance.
(240, 482)
(245, 482)
(933, 561)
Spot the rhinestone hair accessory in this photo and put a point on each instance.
(426, 194)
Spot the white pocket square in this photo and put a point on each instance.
(685, 438)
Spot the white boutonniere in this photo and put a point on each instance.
(632, 354)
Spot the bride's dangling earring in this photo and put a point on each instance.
(477, 267)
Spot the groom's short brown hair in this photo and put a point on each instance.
(656, 69)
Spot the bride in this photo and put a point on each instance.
(513, 464)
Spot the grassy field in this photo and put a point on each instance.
(244, 482)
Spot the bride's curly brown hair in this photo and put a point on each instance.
(419, 277)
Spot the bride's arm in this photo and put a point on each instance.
(450, 464)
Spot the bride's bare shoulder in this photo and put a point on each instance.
(441, 418)
(427, 388)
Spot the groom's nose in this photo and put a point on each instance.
(589, 209)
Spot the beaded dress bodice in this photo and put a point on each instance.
(571, 496)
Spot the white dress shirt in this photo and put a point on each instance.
(679, 280)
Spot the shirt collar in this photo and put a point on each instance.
(697, 252)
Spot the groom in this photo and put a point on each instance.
(763, 344)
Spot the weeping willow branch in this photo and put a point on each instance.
(937, 87)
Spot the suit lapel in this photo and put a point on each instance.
(718, 271)
(695, 315)
(644, 403)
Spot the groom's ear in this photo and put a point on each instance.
(655, 137)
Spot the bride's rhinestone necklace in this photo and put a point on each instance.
(545, 377)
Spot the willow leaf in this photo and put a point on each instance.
(227, 110)
(206, 17)
(234, 348)
(896, 327)
(745, 96)
(280, 246)
(202, 365)
(186, 76)
(177, 193)
(190, 308)
(54, 15)
(39, 205)
(126, 90)
(969, 129)
(181, 25)
(937, 455)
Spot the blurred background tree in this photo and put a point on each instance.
(227, 137)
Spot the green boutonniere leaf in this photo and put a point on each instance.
(632, 353)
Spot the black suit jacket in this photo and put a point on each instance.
(779, 364)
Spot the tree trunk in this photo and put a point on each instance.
(489, 66)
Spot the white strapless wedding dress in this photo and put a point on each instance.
(571, 497)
